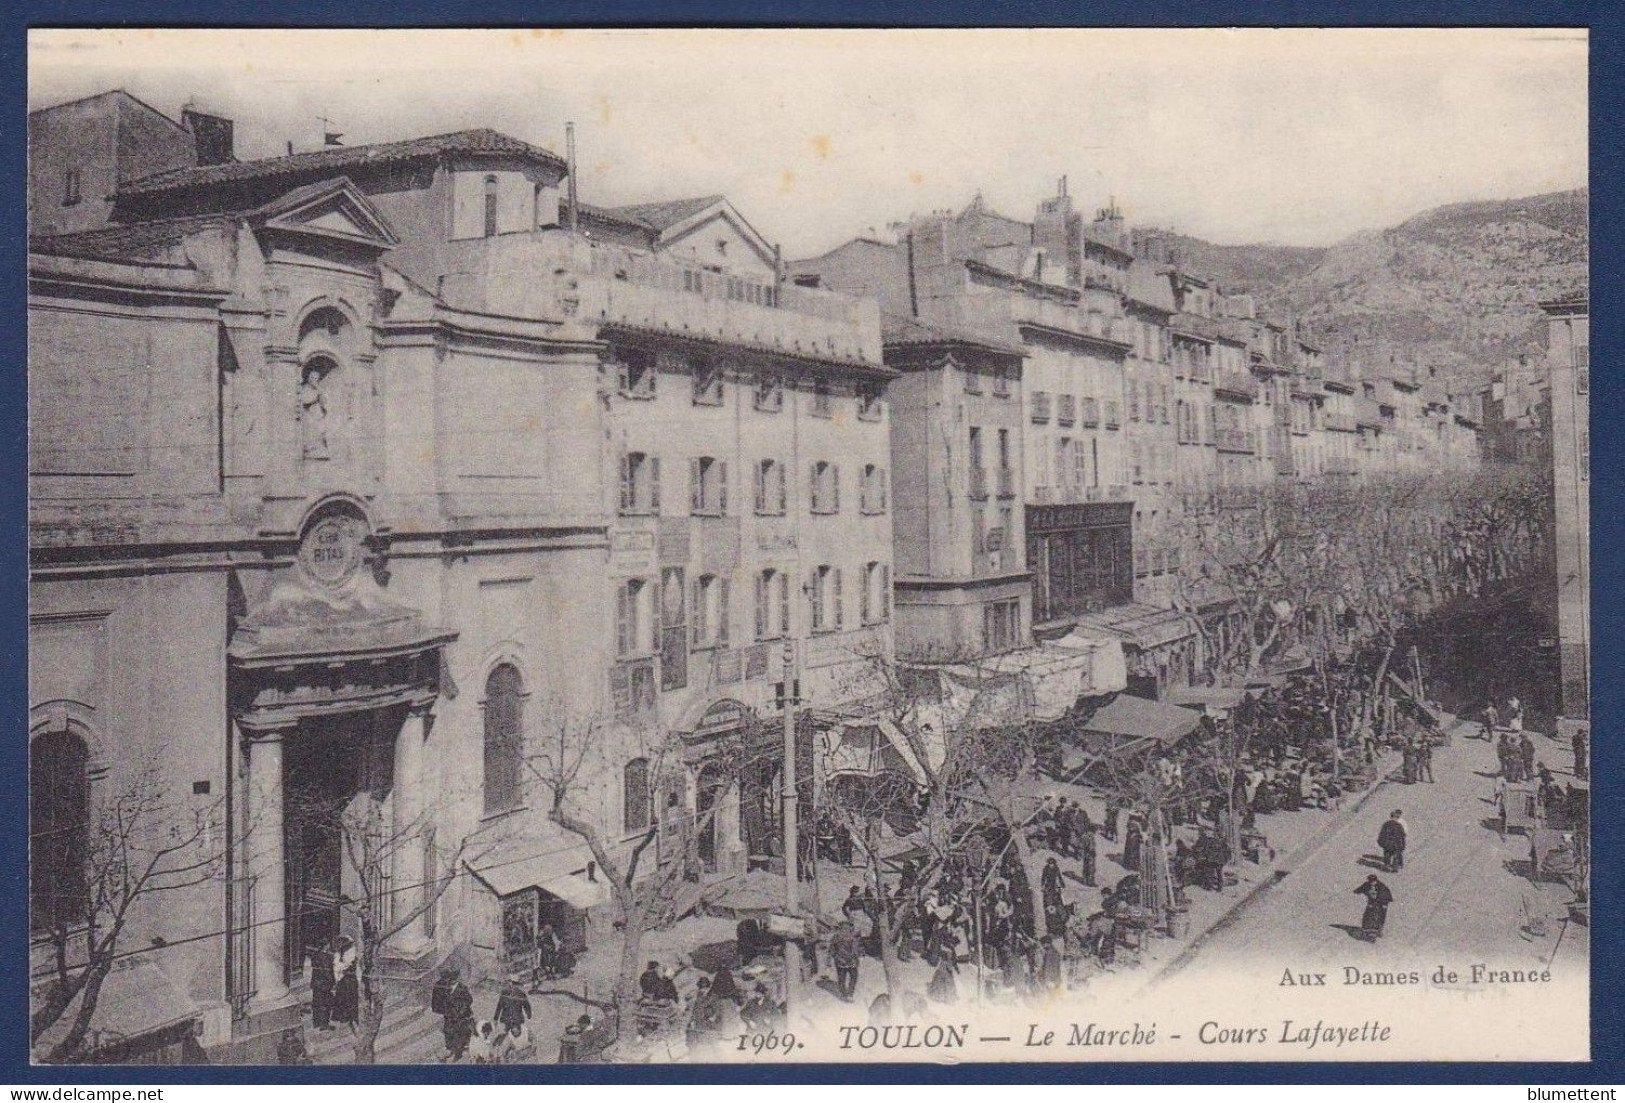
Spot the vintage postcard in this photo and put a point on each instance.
(805, 546)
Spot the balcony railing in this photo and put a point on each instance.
(978, 483)
(552, 274)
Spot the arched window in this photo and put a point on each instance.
(58, 830)
(504, 739)
(635, 796)
(490, 206)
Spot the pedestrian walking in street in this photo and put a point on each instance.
(1526, 752)
(845, 952)
(456, 1016)
(1377, 898)
(1492, 720)
(1424, 760)
(1087, 853)
(513, 1006)
(1514, 714)
(1391, 839)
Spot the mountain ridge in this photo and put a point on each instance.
(1454, 288)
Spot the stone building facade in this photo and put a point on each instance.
(357, 475)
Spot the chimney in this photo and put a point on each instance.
(212, 136)
(570, 156)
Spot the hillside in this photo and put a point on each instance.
(1453, 288)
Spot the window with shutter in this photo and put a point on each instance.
(721, 619)
(654, 484)
(885, 592)
(625, 636)
(764, 597)
(722, 488)
(696, 487)
(840, 604)
(865, 612)
(783, 581)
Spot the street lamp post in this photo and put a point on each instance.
(792, 835)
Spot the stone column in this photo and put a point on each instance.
(266, 866)
(409, 805)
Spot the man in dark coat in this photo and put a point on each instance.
(1050, 884)
(1087, 849)
(457, 1018)
(513, 1006)
(1377, 898)
(650, 984)
(1391, 839)
(1526, 751)
(322, 983)
(844, 952)
(1210, 854)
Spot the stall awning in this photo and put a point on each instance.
(1143, 626)
(543, 856)
(1211, 698)
(869, 748)
(137, 998)
(1127, 717)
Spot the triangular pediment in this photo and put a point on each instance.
(333, 209)
(721, 211)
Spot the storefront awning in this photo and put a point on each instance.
(870, 748)
(1126, 718)
(543, 856)
(1143, 626)
(138, 998)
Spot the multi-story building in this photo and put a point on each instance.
(360, 476)
(1569, 373)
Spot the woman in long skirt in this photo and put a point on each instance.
(1377, 898)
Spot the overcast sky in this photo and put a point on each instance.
(1297, 137)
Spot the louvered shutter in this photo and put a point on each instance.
(654, 484)
(623, 620)
(863, 601)
(840, 606)
(885, 591)
(627, 500)
(761, 487)
(763, 601)
(834, 488)
(784, 603)
(696, 616)
(779, 484)
(813, 490)
(722, 487)
(696, 489)
(722, 612)
(880, 484)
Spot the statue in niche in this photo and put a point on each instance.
(313, 412)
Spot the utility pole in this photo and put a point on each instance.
(792, 833)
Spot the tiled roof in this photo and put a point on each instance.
(899, 332)
(340, 158)
(145, 239)
(134, 241)
(662, 216)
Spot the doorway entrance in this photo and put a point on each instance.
(332, 765)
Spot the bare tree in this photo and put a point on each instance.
(646, 876)
(140, 846)
(375, 847)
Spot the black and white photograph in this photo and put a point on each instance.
(784, 546)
